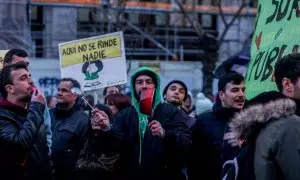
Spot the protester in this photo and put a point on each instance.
(111, 90)
(176, 93)
(14, 56)
(69, 127)
(210, 133)
(117, 102)
(272, 123)
(24, 153)
(154, 146)
(96, 161)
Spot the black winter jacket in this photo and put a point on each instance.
(96, 160)
(209, 150)
(162, 159)
(24, 153)
(69, 128)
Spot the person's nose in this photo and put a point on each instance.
(30, 81)
(176, 92)
(242, 93)
(145, 85)
(59, 93)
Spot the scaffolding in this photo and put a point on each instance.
(145, 38)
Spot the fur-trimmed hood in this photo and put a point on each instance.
(248, 123)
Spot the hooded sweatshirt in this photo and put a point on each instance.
(143, 119)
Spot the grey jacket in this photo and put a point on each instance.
(277, 131)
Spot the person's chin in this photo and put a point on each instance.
(60, 102)
(176, 103)
(26, 98)
(239, 106)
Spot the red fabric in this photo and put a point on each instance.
(4, 103)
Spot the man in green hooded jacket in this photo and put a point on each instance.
(154, 147)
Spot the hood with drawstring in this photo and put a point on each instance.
(144, 155)
(143, 119)
(191, 97)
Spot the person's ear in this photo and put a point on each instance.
(221, 95)
(287, 85)
(9, 89)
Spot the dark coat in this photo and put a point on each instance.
(69, 129)
(24, 153)
(162, 158)
(209, 149)
(275, 129)
(96, 160)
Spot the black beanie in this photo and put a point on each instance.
(146, 73)
(178, 82)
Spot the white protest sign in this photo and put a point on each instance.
(95, 62)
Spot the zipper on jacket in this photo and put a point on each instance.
(223, 141)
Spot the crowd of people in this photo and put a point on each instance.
(66, 138)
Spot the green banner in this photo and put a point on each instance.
(277, 33)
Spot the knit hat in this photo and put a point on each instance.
(178, 82)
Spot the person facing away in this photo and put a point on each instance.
(69, 126)
(24, 153)
(176, 93)
(151, 147)
(210, 148)
(272, 122)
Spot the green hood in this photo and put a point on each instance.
(143, 119)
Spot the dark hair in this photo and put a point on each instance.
(105, 89)
(75, 83)
(105, 109)
(287, 67)
(9, 55)
(48, 99)
(5, 75)
(90, 99)
(233, 78)
(264, 98)
(121, 101)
